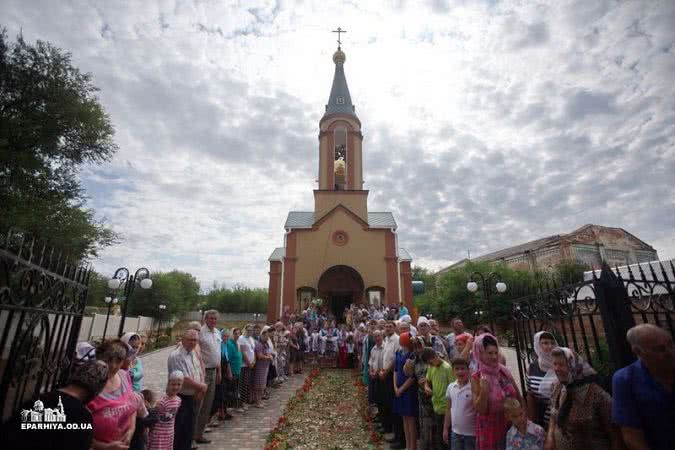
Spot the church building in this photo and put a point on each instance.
(340, 252)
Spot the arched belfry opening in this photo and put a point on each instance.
(340, 159)
(340, 286)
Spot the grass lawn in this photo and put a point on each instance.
(329, 411)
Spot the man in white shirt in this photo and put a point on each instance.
(209, 344)
(182, 358)
(392, 424)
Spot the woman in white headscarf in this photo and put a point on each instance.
(135, 369)
(540, 379)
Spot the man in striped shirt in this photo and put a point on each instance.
(191, 392)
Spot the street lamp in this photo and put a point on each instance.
(159, 319)
(122, 279)
(485, 283)
(110, 301)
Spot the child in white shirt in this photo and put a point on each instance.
(459, 428)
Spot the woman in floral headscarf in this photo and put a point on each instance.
(580, 409)
(490, 385)
(540, 379)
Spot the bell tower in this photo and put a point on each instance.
(340, 160)
(340, 251)
(340, 138)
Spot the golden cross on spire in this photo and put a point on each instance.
(338, 31)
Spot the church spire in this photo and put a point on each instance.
(340, 102)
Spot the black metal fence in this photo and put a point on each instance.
(42, 299)
(592, 317)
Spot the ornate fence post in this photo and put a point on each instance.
(617, 316)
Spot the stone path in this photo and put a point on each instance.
(246, 431)
(249, 430)
(154, 369)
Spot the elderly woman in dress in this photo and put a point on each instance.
(281, 338)
(263, 358)
(580, 409)
(540, 379)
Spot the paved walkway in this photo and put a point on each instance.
(155, 371)
(249, 430)
(246, 431)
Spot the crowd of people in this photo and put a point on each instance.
(432, 391)
(427, 390)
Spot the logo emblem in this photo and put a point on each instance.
(41, 414)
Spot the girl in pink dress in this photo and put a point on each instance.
(161, 435)
(490, 385)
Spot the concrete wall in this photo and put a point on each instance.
(226, 317)
(93, 326)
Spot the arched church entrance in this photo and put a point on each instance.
(340, 286)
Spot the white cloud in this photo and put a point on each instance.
(486, 123)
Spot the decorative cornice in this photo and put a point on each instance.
(339, 115)
(349, 191)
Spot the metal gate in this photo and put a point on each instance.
(42, 298)
(592, 317)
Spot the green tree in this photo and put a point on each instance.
(238, 299)
(569, 272)
(179, 291)
(98, 289)
(51, 124)
(427, 277)
(451, 298)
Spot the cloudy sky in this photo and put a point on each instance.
(486, 123)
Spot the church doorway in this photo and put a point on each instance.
(340, 286)
(338, 303)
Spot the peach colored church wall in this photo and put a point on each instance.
(316, 252)
(274, 290)
(355, 201)
(406, 284)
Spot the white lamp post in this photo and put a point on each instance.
(486, 283)
(122, 279)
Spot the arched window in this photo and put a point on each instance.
(340, 159)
